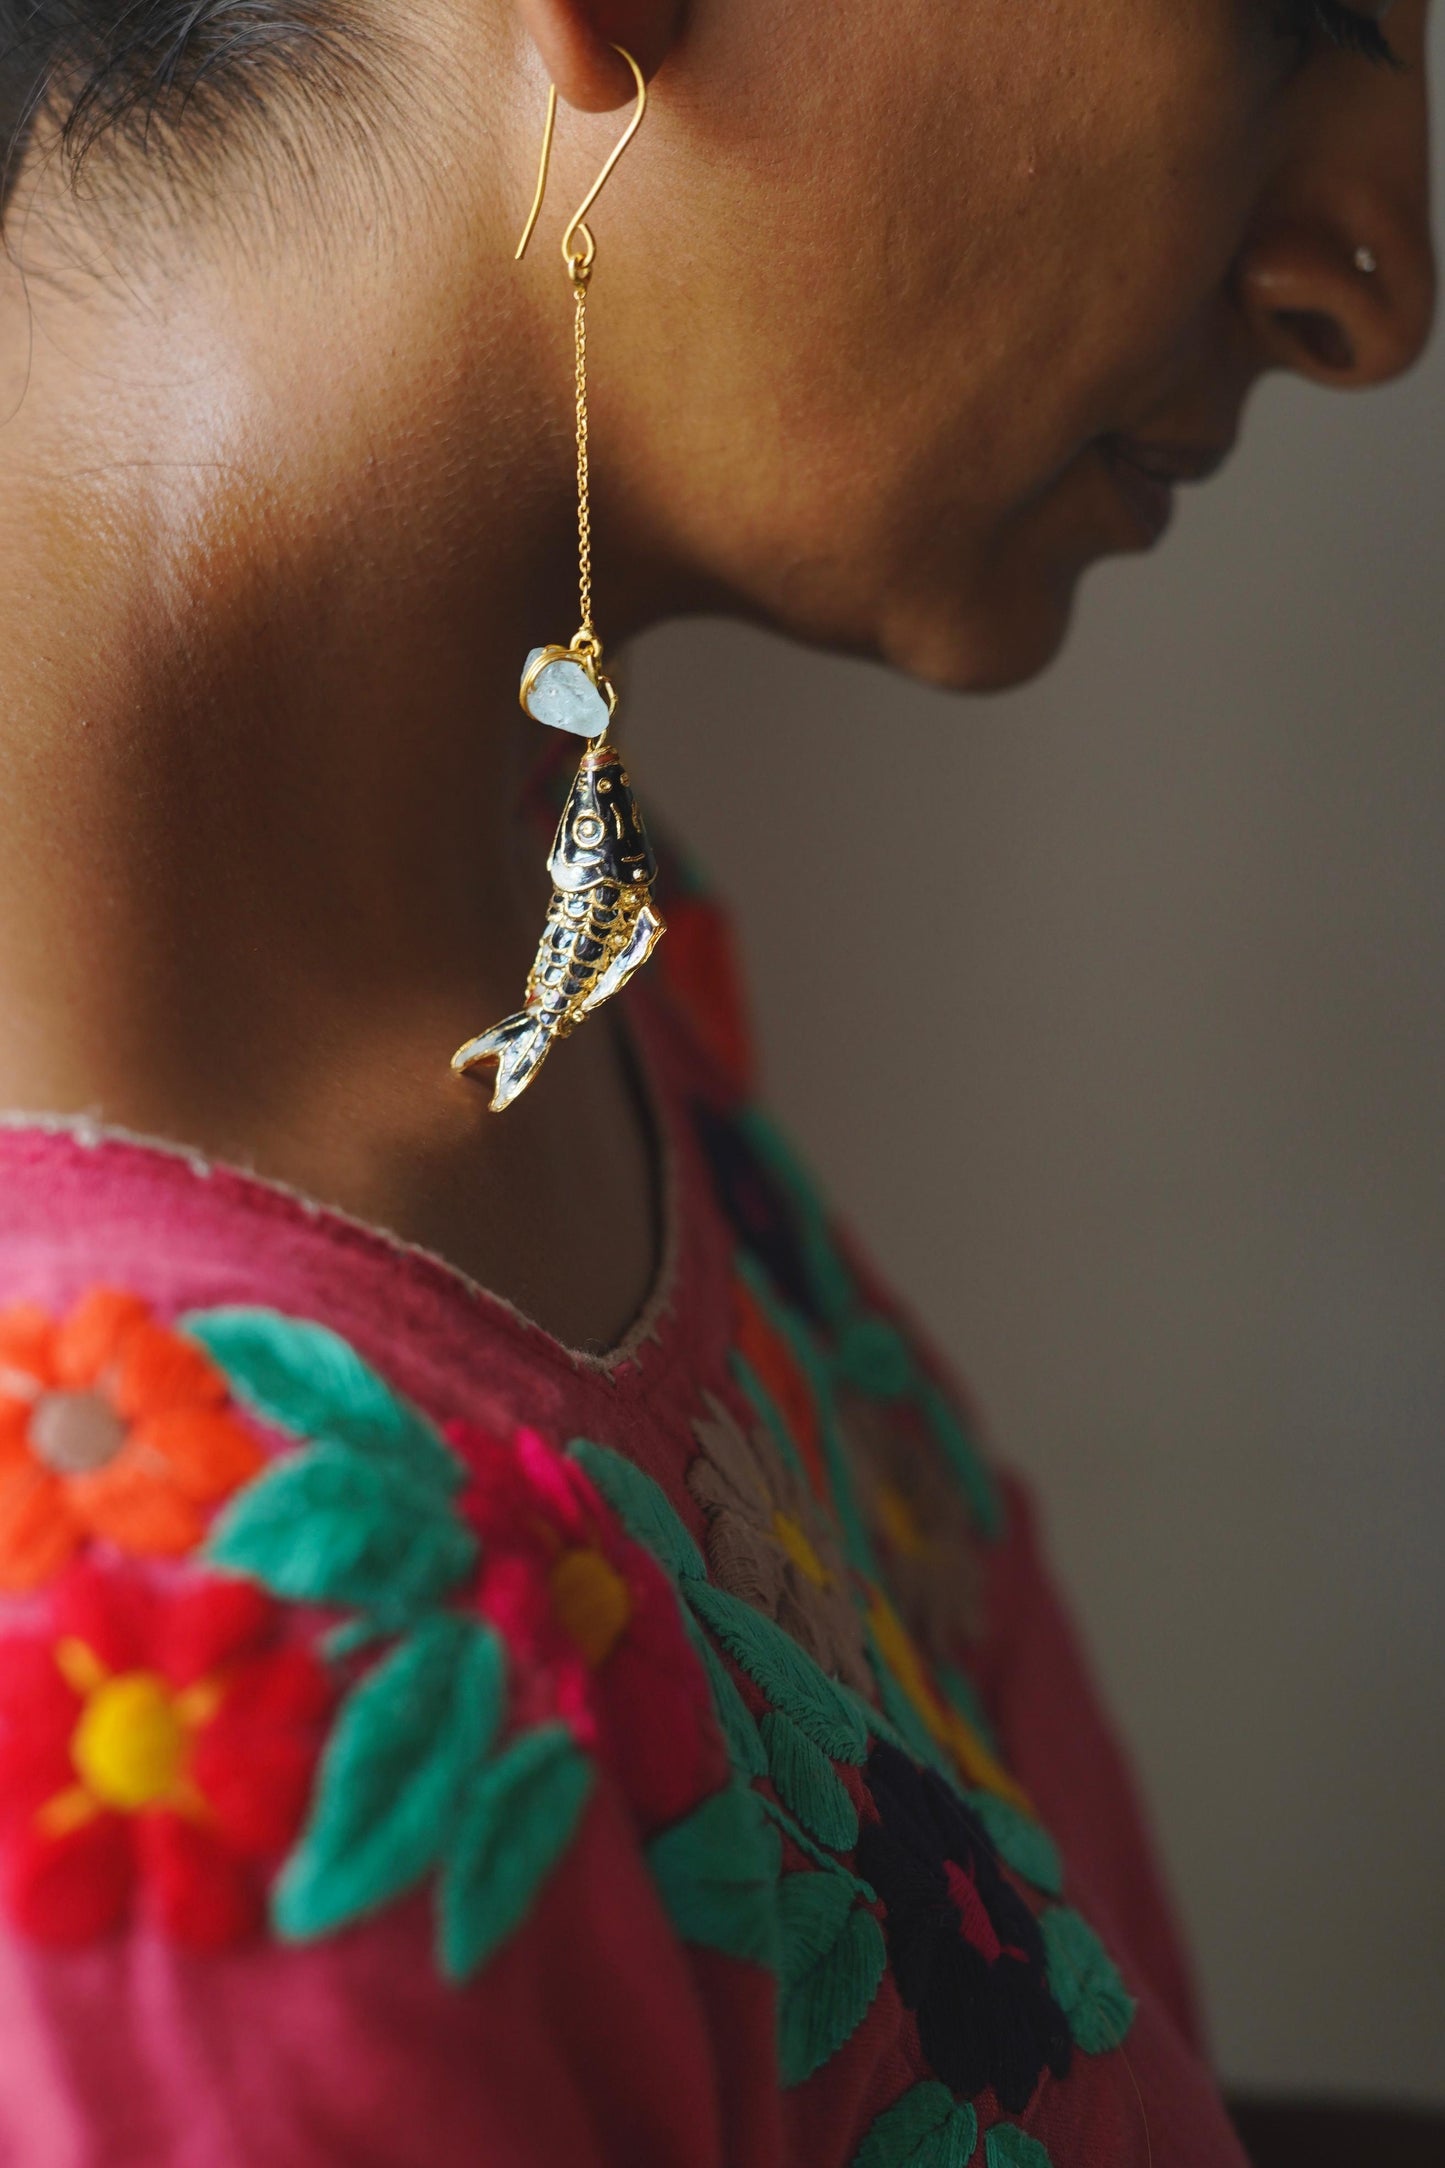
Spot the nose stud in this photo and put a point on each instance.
(1366, 261)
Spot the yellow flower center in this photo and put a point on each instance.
(900, 1523)
(951, 1730)
(793, 1538)
(129, 1747)
(591, 1602)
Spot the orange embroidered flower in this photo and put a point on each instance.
(111, 1426)
(778, 1370)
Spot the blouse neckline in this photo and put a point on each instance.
(666, 1313)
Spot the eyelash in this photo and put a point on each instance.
(1341, 25)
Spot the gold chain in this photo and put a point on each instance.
(579, 251)
(584, 497)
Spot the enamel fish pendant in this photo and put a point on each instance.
(601, 924)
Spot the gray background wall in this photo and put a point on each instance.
(1136, 1086)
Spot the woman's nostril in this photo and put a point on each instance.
(1323, 338)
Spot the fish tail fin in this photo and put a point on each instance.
(518, 1045)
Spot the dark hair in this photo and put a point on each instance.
(136, 71)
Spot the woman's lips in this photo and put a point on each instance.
(1147, 474)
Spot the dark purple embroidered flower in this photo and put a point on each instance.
(965, 1949)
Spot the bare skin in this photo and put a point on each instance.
(285, 495)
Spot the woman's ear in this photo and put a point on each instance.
(575, 39)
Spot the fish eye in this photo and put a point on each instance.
(587, 831)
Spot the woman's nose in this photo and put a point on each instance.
(1349, 303)
(1337, 277)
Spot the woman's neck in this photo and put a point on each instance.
(262, 864)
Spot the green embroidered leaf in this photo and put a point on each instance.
(808, 1784)
(311, 1382)
(1006, 2146)
(873, 1355)
(831, 1282)
(644, 1509)
(1021, 1842)
(797, 1836)
(790, 1679)
(925, 2129)
(740, 1732)
(1084, 1982)
(519, 1817)
(833, 1960)
(329, 1527)
(717, 1873)
(875, 1722)
(392, 1775)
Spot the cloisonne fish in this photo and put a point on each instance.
(601, 925)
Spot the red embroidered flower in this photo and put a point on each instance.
(110, 1425)
(594, 1621)
(156, 1752)
(700, 967)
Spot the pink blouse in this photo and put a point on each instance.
(423, 1744)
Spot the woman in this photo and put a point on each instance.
(619, 1716)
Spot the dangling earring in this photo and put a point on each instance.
(601, 924)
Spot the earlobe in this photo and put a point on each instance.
(575, 40)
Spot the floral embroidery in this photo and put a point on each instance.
(759, 1209)
(932, 1724)
(816, 1928)
(1085, 1982)
(966, 1951)
(511, 1619)
(918, 1522)
(700, 968)
(833, 1962)
(931, 1852)
(1006, 2146)
(769, 1545)
(418, 1778)
(593, 1620)
(925, 2129)
(817, 1371)
(155, 1757)
(784, 1228)
(509, 1634)
(769, 1371)
(111, 1426)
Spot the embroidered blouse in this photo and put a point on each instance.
(419, 1743)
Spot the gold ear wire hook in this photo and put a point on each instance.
(579, 260)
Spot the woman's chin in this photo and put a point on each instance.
(987, 646)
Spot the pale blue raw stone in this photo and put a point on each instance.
(566, 697)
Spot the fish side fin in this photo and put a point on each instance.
(518, 1045)
(648, 929)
